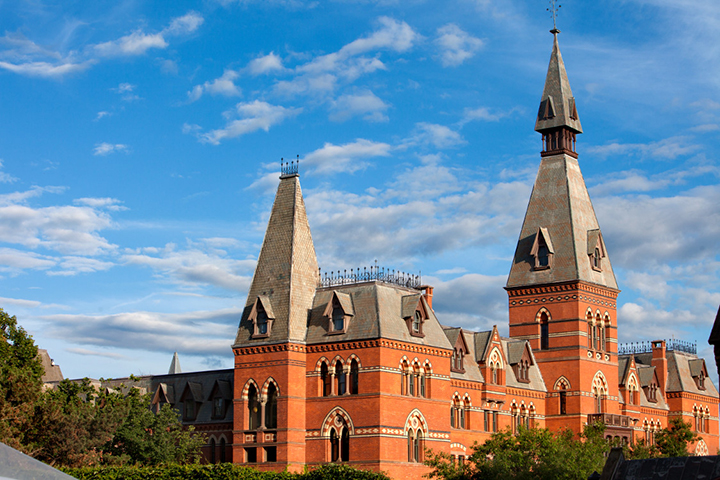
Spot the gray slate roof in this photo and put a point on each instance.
(560, 203)
(379, 310)
(202, 387)
(287, 269)
(514, 349)
(557, 87)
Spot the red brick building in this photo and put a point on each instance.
(357, 368)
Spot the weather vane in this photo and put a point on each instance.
(553, 9)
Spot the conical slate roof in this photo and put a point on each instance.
(557, 105)
(559, 215)
(174, 365)
(286, 274)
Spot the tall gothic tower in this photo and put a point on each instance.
(561, 288)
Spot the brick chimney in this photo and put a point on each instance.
(428, 293)
(659, 361)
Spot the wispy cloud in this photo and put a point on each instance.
(4, 176)
(269, 63)
(455, 45)
(224, 85)
(108, 148)
(438, 136)
(349, 157)
(363, 103)
(254, 116)
(666, 149)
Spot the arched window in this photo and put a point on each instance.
(415, 446)
(563, 402)
(340, 377)
(344, 444)
(591, 330)
(222, 450)
(404, 380)
(326, 380)
(253, 408)
(422, 384)
(212, 450)
(338, 318)
(411, 442)
(417, 321)
(494, 369)
(354, 376)
(271, 407)
(607, 331)
(544, 332)
(411, 383)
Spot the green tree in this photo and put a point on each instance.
(20, 383)
(150, 438)
(531, 453)
(673, 441)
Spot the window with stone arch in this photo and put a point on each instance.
(591, 328)
(543, 318)
(416, 430)
(405, 377)
(496, 367)
(253, 406)
(354, 384)
(599, 391)
(606, 329)
(562, 385)
(271, 401)
(425, 379)
(340, 378)
(632, 390)
(599, 332)
(325, 378)
(338, 428)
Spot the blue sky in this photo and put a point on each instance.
(142, 140)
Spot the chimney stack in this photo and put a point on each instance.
(428, 293)
(659, 361)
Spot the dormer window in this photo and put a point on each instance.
(262, 317)
(701, 381)
(417, 321)
(595, 249)
(456, 362)
(339, 312)
(542, 250)
(652, 392)
(414, 312)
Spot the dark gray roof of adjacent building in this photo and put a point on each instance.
(202, 387)
(380, 310)
(682, 367)
(675, 468)
(482, 339)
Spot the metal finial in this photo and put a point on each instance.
(553, 9)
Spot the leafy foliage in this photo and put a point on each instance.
(531, 453)
(672, 441)
(223, 471)
(20, 383)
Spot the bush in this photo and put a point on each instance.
(223, 471)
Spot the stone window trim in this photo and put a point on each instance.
(339, 310)
(595, 250)
(415, 317)
(262, 317)
(542, 250)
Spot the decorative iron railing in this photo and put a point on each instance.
(289, 168)
(369, 274)
(646, 347)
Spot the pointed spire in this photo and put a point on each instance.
(175, 365)
(560, 239)
(286, 275)
(557, 105)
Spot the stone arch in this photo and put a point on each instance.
(415, 420)
(542, 310)
(404, 361)
(562, 383)
(336, 359)
(335, 418)
(321, 360)
(606, 319)
(599, 383)
(428, 365)
(467, 400)
(246, 389)
(266, 385)
(701, 448)
(632, 382)
(349, 360)
(589, 316)
(496, 357)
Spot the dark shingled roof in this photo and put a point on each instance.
(675, 468)
(715, 333)
(192, 385)
(515, 351)
(481, 342)
(557, 88)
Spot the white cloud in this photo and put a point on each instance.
(194, 266)
(364, 103)
(184, 25)
(345, 158)
(666, 149)
(266, 64)
(45, 69)
(484, 114)
(455, 45)
(112, 204)
(72, 265)
(196, 332)
(108, 148)
(438, 136)
(254, 116)
(14, 261)
(139, 42)
(392, 35)
(224, 85)
(101, 115)
(93, 353)
(6, 177)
